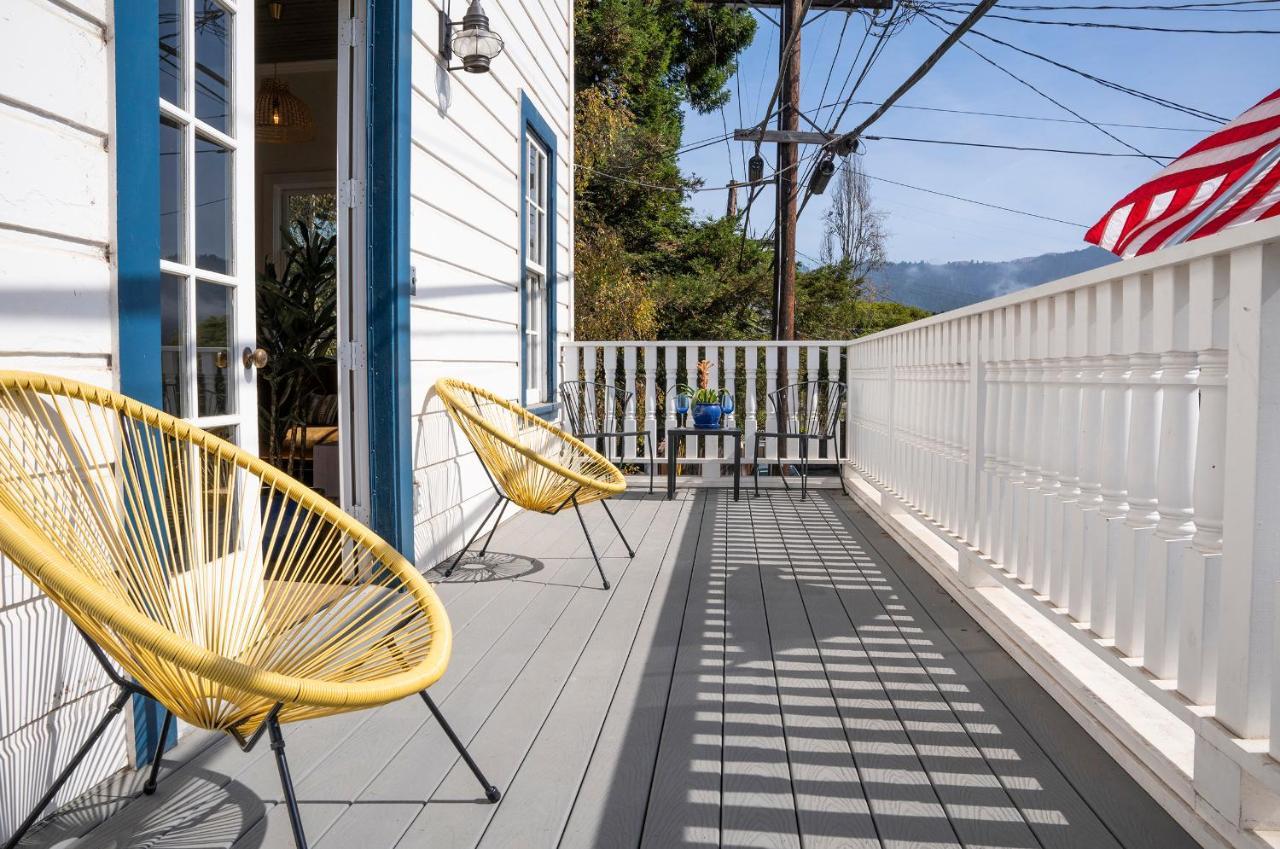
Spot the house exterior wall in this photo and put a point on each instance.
(58, 299)
(56, 315)
(465, 239)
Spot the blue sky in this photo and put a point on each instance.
(1221, 74)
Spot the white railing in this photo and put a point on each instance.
(749, 370)
(1112, 441)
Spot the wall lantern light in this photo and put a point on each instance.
(471, 40)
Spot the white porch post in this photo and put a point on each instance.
(1250, 532)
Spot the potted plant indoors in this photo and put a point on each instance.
(708, 402)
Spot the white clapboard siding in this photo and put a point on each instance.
(56, 315)
(62, 82)
(42, 277)
(465, 240)
(54, 177)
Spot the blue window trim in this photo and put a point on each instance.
(533, 124)
(137, 91)
(390, 27)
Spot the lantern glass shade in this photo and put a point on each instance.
(280, 116)
(476, 46)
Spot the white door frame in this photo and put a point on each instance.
(353, 381)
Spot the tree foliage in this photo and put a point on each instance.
(645, 267)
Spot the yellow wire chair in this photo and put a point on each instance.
(234, 596)
(530, 463)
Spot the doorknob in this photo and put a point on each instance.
(254, 357)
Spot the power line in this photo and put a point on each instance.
(976, 202)
(993, 63)
(682, 189)
(1025, 117)
(1137, 27)
(1018, 147)
(1207, 6)
(1151, 98)
(960, 29)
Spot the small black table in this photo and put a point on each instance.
(673, 440)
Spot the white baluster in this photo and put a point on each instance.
(1174, 482)
(1093, 543)
(793, 377)
(771, 356)
(713, 445)
(650, 400)
(1202, 563)
(629, 415)
(751, 398)
(1114, 506)
(1141, 460)
(1069, 533)
(1032, 524)
(692, 444)
(1044, 545)
(992, 468)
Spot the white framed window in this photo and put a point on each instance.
(535, 291)
(206, 292)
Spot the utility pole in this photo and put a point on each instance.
(731, 205)
(788, 138)
(784, 281)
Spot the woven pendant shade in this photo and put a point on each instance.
(280, 116)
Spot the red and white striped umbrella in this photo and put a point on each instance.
(1228, 179)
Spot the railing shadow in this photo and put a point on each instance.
(798, 687)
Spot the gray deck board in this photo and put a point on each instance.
(764, 673)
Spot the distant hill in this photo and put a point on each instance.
(947, 286)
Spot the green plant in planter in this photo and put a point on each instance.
(707, 400)
(298, 327)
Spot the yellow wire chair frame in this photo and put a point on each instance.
(530, 462)
(235, 596)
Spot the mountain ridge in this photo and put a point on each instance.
(939, 287)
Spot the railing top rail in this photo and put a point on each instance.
(740, 343)
(1259, 232)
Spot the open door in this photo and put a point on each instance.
(353, 401)
(208, 328)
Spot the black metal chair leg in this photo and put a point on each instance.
(648, 444)
(804, 469)
(286, 782)
(32, 818)
(491, 792)
(755, 467)
(498, 521)
(590, 544)
(150, 786)
(454, 565)
(840, 469)
(630, 551)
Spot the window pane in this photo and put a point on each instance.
(171, 51)
(213, 206)
(172, 216)
(213, 348)
(172, 319)
(213, 64)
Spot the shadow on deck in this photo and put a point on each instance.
(768, 672)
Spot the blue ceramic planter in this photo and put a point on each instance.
(706, 416)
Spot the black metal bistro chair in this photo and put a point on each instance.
(805, 411)
(598, 412)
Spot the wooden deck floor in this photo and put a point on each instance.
(768, 672)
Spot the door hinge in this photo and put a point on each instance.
(351, 193)
(351, 356)
(351, 32)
